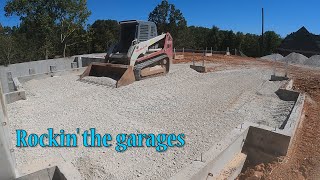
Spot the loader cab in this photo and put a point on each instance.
(135, 30)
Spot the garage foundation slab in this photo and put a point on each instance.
(259, 143)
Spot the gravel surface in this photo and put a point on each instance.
(313, 61)
(100, 81)
(273, 57)
(205, 107)
(263, 104)
(295, 58)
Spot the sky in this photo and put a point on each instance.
(281, 16)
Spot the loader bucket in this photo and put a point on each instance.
(123, 74)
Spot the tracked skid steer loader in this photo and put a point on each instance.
(140, 53)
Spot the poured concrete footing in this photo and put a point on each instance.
(15, 96)
(278, 78)
(233, 168)
(200, 69)
(18, 94)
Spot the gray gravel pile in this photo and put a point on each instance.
(273, 57)
(295, 58)
(100, 81)
(313, 61)
(205, 107)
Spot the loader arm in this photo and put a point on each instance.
(142, 48)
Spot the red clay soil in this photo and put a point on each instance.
(216, 58)
(224, 62)
(303, 158)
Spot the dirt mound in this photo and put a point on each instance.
(295, 58)
(313, 61)
(273, 57)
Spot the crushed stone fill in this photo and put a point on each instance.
(313, 61)
(295, 58)
(205, 107)
(100, 81)
(273, 57)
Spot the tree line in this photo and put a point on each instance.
(58, 28)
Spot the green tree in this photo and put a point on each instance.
(214, 38)
(184, 39)
(7, 44)
(27, 46)
(239, 38)
(200, 37)
(71, 16)
(168, 18)
(272, 41)
(41, 20)
(251, 45)
(104, 33)
(78, 42)
(38, 18)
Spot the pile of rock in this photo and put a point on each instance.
(313, 61)
(273, 57)
(295, 58)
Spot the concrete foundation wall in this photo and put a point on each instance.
(15, 96)
(24, 79)
(263, 146)
(20, 94)
(215, 160)
(34, 67)
(7, 73)
(7, 160)
(86, 61)
(260, 143)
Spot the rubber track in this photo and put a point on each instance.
(139, 67)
